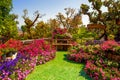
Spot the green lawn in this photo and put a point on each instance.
(59, 69)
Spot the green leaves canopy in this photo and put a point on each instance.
(8, 25)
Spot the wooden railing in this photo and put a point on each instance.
(59, 44)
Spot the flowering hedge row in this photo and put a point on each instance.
(39, 52)
(102, 60)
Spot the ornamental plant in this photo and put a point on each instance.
(14, 69)
(103, 61)
(60, 33)
(39, 52)
(11, 45)
(109, 45)
(78, 54)
(40, 49)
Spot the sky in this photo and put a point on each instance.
(48, 7)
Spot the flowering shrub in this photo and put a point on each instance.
(40, 49)
(38, 52)
(98, 70)
(108, 45)
(60, 33)
(11, 45)
(79, 57)
(94, 72)
(77, 54)
(14, 69)
(102, 60)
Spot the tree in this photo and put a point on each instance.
(42, 30)
(53, 23)
(5, 8)
(23, 28)
(83, 33)
(8, 24)
(70, 20)
(108, 19)
(30, 23)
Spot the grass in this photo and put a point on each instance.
(59, 69)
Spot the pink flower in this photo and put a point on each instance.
(107, 45)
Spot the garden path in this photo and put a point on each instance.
(59, 69)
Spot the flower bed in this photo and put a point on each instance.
(39, 52)
(60, 33)
(10, 48)
(102, 60)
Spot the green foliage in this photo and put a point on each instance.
(8, 28)
(108, 18)
(53, 23)
(83, 33)
(42, 30)
(23, 28)
(84, 8)
(5, 8)
(8, 25)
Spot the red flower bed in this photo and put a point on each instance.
(40, 49)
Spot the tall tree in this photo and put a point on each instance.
(5, 8)
(8, 24)
(30, 23)
(70, 20)
(53, 23)
(42, 30)
(107, 19)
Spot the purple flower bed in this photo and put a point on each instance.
(17, 69)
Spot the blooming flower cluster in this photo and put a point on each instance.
(27, 58)
(40, 49)
(95, 72)
(109, 45)
(9, 46)
(60, 33)
(102, 60)
(12, 43)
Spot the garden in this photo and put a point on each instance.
(61, 48)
